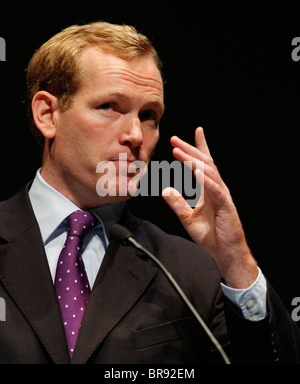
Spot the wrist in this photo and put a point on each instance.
(240, 272)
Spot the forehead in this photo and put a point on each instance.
(101, 70)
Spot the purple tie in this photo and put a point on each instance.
(71, 283)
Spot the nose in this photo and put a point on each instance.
(132, 134)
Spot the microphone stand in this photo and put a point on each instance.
(124, 236)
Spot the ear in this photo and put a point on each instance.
(44, 106)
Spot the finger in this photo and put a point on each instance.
(201, 143)
(177, 203)
(184, 157)
(189, 149)
(216, 191)
(209, 169)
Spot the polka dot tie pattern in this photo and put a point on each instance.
(71, 283)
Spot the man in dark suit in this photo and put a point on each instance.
(96, 92)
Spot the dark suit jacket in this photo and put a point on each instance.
(134, 315)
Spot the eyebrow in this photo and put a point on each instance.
(157, 104)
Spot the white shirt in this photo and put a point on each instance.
(52, 209)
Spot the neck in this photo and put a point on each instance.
(83, 196)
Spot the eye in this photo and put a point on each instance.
(148, 115)
(106, 106)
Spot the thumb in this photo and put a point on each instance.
(177, 203)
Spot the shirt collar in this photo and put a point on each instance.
(51, 208)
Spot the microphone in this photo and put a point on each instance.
(123, 236)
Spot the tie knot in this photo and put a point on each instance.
(80, 223)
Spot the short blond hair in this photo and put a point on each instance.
(55, 66)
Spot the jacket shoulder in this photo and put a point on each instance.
(181, 256)
(16, 214)
(157, 239)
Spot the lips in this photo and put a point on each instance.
(124, 157)
(128, 166)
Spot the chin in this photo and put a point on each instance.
(98, 201)
(111, 190)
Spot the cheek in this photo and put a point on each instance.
(81, 133)
(73, 144)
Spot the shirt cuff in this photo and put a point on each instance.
(251, 301)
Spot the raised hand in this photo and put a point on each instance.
(214, 224)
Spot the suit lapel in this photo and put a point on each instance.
(122, 279)
(25, 274)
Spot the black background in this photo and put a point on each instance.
(229, 69)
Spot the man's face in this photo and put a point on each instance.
(116, 110)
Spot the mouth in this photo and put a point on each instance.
(124, 158)
(129, 165)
